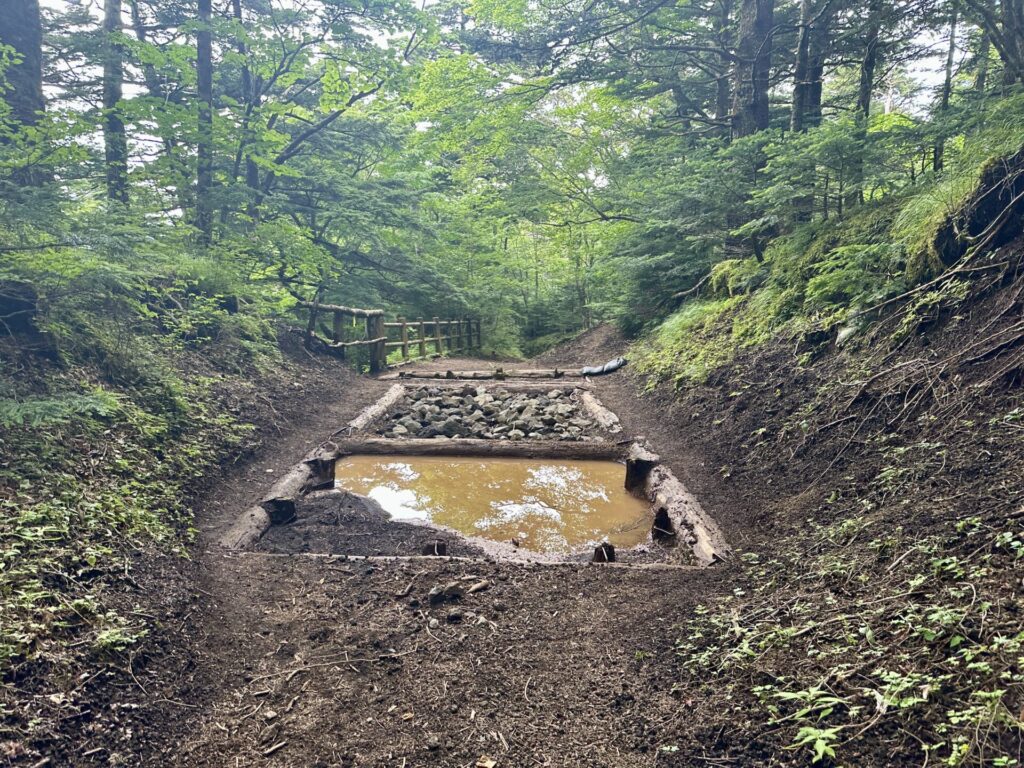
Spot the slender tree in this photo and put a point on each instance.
(204, 161)
(947, 88)
(115, 139)
(865, 91)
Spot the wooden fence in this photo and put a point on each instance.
(417, 339)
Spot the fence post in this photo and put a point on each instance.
(437, 336)
(479, 335)
(423, 339)
(336, 330)
(378, 352)
(448, 333)
(405, 338)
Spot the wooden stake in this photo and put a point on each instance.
(405, 338)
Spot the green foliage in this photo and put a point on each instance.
(49, 411)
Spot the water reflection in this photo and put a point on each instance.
(547, 506)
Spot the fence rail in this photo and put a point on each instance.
(425, 338)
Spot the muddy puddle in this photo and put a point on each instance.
(554, 507)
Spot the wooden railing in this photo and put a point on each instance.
(427, 338)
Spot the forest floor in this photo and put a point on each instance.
(302, 661)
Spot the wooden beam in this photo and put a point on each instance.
(440, 446)
(374, 411)
(607, 420)
(344, 310)
(500, 374)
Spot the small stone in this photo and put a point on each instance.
(433, 623)
(455, 616)
(450, 592)
(399, 430)
(517, 434)
(479, 586)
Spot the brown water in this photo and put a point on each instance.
(548, 506)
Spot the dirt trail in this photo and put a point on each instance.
(303, 661)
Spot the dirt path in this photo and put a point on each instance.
(303, 661)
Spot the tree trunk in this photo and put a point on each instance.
(1012, 27)
(981, 77)
(1004, 29)
(22, 30)
(947, 89)
(251, 100)
(115, 139)
(204, 164)
(865, 91)
(801, 70)
(819, 44)
(809, 72)
(723, 86)
(754, 60)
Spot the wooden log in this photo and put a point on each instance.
(540, 562)
(356, 343)
(344, 310)
(689, 521)
(543, 373)
(639, 463)
(374, 411)
(607, 420)
(604, 553)
(247, 530)
(441, 446)
(422, 332)
(279, 502)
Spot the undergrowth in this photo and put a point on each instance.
(101, 444)
(884, 403)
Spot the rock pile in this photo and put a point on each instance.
(497, 414)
